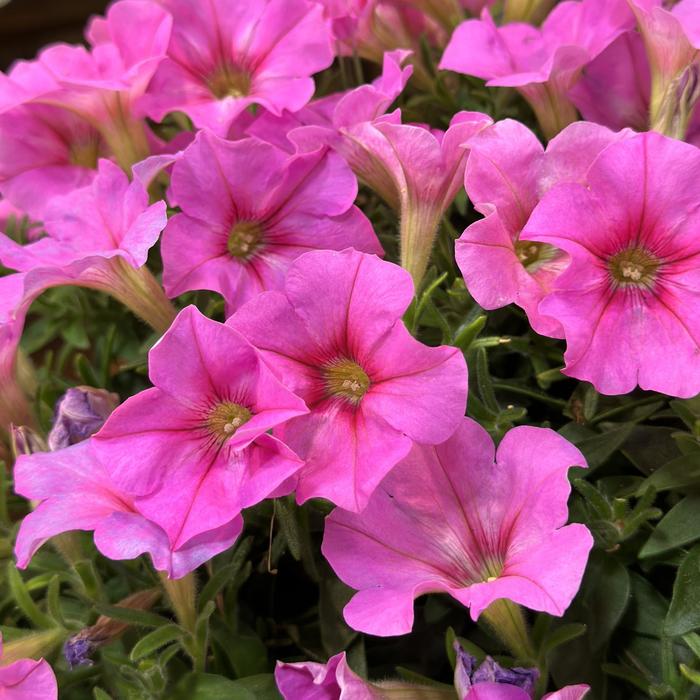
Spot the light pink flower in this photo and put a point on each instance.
(75, 493)
(99, 237)
(463, 519)
(334, 680)
(507, 173)
(631, 288)
(543, 64)
(196, 446)
(335, 337)
(226, 55)
(27, 679)
(101, 84)
(416, 171)
(249, 210)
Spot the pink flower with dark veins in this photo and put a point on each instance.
(335, 337)
(226, 55)
(465, 519)
(249, 210)
(632, 286)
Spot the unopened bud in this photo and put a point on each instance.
(79, 413)
(25, 441)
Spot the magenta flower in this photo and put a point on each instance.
(27, 679)
(542, 64)
(615, 88)
(201, 433)
(334, 680)
(249, 210)
(507, 173)
(335, 337)
(459, 519)
(385, 155)
(629, 292)
(75, 493)
(98, 237)
(227, 55)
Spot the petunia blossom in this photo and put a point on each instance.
(507, 173)
(98, 237)
(27, 679)
(631, 288)
(335, 337)
(249, 210)
(226, 55)
(74, 492)
(464, 519)
(196, 447)
(384, 155)
(542, 64)
(100, 84)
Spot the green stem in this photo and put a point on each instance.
(530, 393)
(507, 621)
(182, 594)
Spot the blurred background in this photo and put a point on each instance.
(27, 25)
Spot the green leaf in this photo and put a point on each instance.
(679, 473)
(680, 526)
(599, 448)
(207, 686)
(562, 635)
(225, 574)
(290, 526)
(141, 618)
(24, 600)
(100, 694)
(684, 614)
(691, 674)
(155, 640)
(466, 335)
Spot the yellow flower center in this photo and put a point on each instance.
(346, 380)
(228, 81)
(634, 267)
(244, 239)
(226, 418)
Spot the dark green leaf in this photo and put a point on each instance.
(680, 526)
(155, 640)
(684, 613)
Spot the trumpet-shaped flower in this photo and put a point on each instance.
(463, 519)
(416, 171)
(226, 55)
(632, 286)
(196, 447)
(75, 492)
(98, 237)
(27, 679)
(249, 210)
(335, 337)
(542, 64)
(507, 173)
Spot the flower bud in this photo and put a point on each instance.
(24, 441)
(79, 413)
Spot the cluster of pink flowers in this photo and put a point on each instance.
(314, 385)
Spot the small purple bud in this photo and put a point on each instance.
(491, 672)
(80, 413)
(78, 650)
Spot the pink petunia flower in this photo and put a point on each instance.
(335, 337)
(629, 292)
(75, 492)
(27, 679)
(249, 210)
(542, 64)
(225, 56)
(196, 447)
(98, 237)
(463, 519)
(334, 680)
(385, 155)
(100, 85)
(507, 173)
